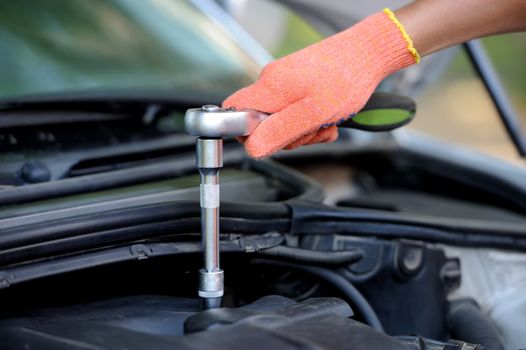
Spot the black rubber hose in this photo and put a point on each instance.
(467, 323)
(313, 256)
(140, 215)
(350, 292)
(250, 218)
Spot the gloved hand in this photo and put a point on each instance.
(310, 91)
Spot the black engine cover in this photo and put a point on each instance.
(156, 322)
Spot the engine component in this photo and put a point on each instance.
(399, 278)
(467, 322)
(161, 322)
(339, 282)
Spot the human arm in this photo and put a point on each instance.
(434, 25)
(310, 91)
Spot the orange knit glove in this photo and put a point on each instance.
(310, 91)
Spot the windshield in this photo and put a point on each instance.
(78, 45)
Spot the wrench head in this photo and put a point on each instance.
(213, 121)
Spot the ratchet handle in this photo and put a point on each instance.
(382, 112)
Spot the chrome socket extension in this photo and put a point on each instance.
(211, 123)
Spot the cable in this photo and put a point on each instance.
(357, 299)
(313, 256)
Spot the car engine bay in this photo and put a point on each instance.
(329, 247)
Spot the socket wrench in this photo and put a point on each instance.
(211, 123)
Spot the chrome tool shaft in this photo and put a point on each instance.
(211, 123)
(209, 163)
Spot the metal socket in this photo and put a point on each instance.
(209, 152)
(211, 283)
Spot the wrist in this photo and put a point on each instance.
(405, 35)
(381, 44)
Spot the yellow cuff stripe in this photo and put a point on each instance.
(399, 25)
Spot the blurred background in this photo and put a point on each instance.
(453, 106)
(168, 45)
